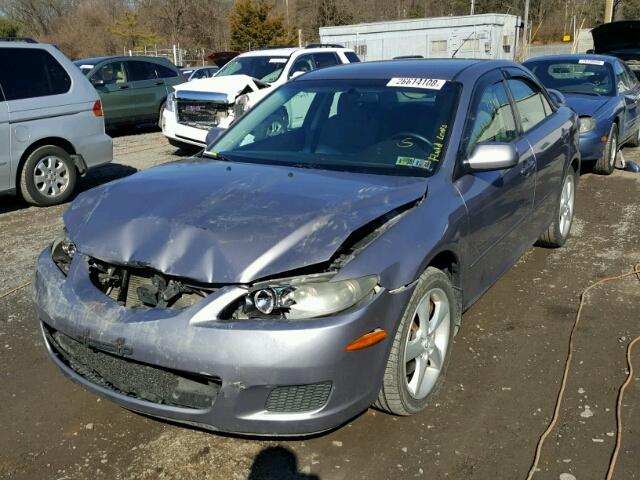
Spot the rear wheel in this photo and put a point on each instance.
(635, 139)
(48, 176)
(558, 232)
(161, 116)
(421, 347)
(607, 162)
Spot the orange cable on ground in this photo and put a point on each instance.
(567, 367)
(9, 292)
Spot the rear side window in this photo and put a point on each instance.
(39, 75)
(165, 72)
(141, 70)
(352, 57)
(532, 107)
(492, 118)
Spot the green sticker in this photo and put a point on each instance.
(413, 162)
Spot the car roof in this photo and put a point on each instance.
(288, 51)
(443, 69)
(571, 57)
(96, 60)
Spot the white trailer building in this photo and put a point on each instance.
(489, 35)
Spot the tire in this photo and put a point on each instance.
(558, 231)
(634, 141)
(607, 162)
(48, 176)
(161, 117)
(401, 392)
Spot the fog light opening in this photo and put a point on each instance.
(367, 340)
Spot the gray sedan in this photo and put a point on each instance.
(283, 282)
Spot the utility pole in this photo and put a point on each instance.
(473, 7)
(525, 30)
(608, 11)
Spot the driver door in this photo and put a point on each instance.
(626, 91)
(500, 202)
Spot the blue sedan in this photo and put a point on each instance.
(604, 93)
(283, 282)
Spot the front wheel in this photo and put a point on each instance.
(161, 116)
(421, 347)
(558, 231)
(607, 162)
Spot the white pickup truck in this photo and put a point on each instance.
(198, 106)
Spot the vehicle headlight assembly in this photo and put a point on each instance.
(62, 252)
(299, 299)
(587, 124)
(242, 105)
(170, 103)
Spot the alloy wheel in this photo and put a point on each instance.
(566, 205)
(427, 343)
(51, 176)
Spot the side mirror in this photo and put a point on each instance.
(96, 82)
(296, 74)
(492, 156)
(558, 98)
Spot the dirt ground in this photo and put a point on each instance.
(499, 395)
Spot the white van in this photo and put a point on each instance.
(51, 123)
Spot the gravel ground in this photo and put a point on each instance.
(498, 398)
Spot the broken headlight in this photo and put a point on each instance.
(62, 252)
(306, 297)
(242, 105)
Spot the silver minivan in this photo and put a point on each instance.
(51, 123)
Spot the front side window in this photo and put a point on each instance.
(353, 125)
(492, 118)
(304, 63)
(621, 78)
(531, 105)
(38, 75)
(582, 76)
(112, 73)
(264, 68)
(325, 59)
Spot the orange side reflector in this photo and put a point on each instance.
(604, 138)
(366, 340)
(97, 109)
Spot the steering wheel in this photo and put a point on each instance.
(417, 136)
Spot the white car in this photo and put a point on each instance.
(198, 106)
(51, 123)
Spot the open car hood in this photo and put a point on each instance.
(616, 36)
(220, 222)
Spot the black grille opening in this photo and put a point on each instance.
(298, 398)
(134, 379)
(201, 114)
(138, 287)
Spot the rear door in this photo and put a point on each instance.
(5, 145)
(548, 135)
(112, 83)
(148, 90)
(625, 89)
(500, 202)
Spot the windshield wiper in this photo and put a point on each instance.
(216, 156)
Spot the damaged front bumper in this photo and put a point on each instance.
(241, 376)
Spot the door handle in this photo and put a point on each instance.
(123, 87)
(159, 83)
(528, 166)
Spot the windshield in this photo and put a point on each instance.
(84, 67)
(265, 68)
(583, 76)
(371, 126)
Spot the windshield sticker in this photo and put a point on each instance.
(413, 162)
(425, 83)
(588, 61)
(277, 60)
(86, 66)
(437, 146)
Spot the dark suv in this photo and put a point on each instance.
(133, 90)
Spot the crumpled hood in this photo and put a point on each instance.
(613, 36)
(220, 222)
(229, 85)
(586, 104)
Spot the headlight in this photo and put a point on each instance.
(587, 124)
(62, 252)
(170, 104)
(300, 298)
(242, 105)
